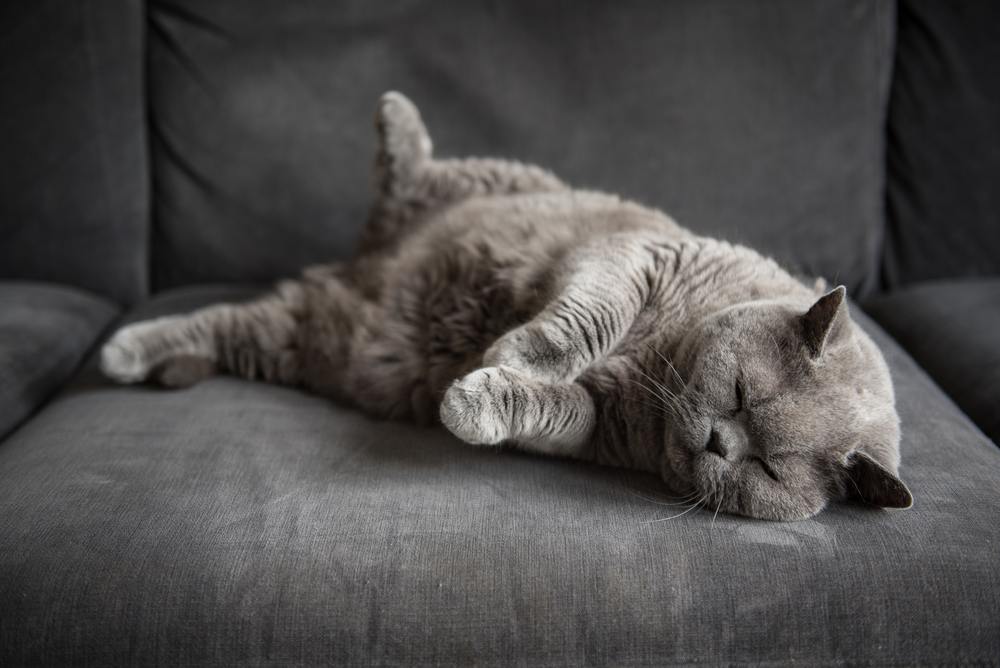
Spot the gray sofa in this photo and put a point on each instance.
(163, 155)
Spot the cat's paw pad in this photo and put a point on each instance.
(478, 407)
(122, 357)
(401, 131)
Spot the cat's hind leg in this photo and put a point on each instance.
(412, 183)
(141, 351)
(258, 339)
(404, 145)
(497, 404)
(406, 171)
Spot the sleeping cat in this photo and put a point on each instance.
(492, 296)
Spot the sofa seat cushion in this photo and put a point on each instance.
(242, 523)
(952, 329)
(45, 331)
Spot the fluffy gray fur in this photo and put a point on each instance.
(492, 296)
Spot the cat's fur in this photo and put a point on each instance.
(518, 310)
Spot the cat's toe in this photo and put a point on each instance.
(474, 408)
(395, 110)
(122, 359)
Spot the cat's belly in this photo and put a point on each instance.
(462, 280)
(433, 322)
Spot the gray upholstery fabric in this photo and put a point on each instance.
(45, 331)
(760, 121)
(74, 195)
(239, 523)
(944, 143)
(952, 328)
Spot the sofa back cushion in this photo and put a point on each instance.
(73, 167)
(761, 122)
(944, 150)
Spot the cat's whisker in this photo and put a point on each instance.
(717, 510)
(677, 502)
(669, 364)
(666, 392)
(656, 385)
(673, 517)
(666, 410)
(774, 341)
(660, 386)
(662, 402)
(690, 411)
(683, 411)
(666, 415)
(658, 399)
(663, 393)
(735, 484)
(690, 496)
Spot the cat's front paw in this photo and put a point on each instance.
(478, 407)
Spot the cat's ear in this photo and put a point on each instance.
(873, 483)
(825, 321)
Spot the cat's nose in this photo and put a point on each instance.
(715, 444)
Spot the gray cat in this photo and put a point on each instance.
(492, 296)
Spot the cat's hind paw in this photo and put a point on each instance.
(478, 408)
(403, 138)
(129, 357)
(122, 357)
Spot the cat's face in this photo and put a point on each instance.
(782, 410)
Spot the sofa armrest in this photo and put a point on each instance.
(950, 327)
(45, 331)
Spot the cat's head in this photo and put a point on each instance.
(783, 408)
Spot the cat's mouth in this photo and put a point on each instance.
(688, 467)
(675, 466)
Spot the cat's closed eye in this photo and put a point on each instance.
(766, 468)
(739, 397)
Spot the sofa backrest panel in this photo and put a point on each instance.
(944, 142)
(759, 121)
(74, 193)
